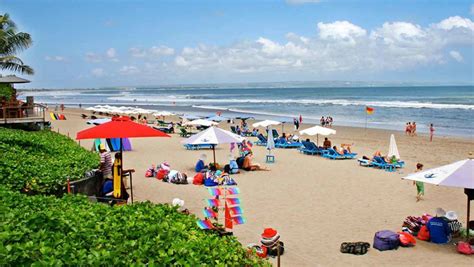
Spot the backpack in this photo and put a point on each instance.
(407, 240)
(424, 233)
(386, 240)
(356, 248)
(273, 251)
(198, 178)
(464, 248)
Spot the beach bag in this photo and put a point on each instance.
(413, 223)
(209, 182)
(424, 233)
(161, 174)
(386, 240)
(406, 239)
(356, 248)
(273, 251)
(464, 248)
(198, 178)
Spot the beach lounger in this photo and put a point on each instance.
(332, 154)
(382, 164)
(279, 143)
(164, 129)
(365, 162)
(84, 116)
(275, 133)
(197, 147)
(184, 133)
(262, 141)
(309, 148)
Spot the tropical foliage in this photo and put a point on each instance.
(41, 162)
(46, 230)
(11, 43)
(6, 91)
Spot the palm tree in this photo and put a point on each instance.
(12, 42)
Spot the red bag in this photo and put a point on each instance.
(198, 178)
(161, 174)
(406, 239)
(464, 248)
(424, 234)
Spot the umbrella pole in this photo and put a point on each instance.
(317, 139)
(468, 217)
(214, 154)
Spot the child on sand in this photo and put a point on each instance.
(420, 186)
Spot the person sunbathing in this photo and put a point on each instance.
(250, 166)
(338, 151)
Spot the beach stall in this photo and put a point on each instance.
(120, 127)
(457, 174)
(213, 136)
(318, 130)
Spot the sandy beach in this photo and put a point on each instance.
(314, 203)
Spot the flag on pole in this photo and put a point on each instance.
(238, 220)
(215, 191)
(369, 110)
(213, 202)
(209, 213)
(236, 210)
(233, 201)
(233, 191)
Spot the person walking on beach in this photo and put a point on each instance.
(420, 186)
(323, 121)
(432, 129)
(413, 129)
(408, 128)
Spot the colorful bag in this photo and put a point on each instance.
(356, 248)
(424, 233)
(406, 239)
(198, 178)
(161, 174)
(386, 240)
(413, 223)
(464, 248)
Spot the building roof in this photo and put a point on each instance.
(12, 79)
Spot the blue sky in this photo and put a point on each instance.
(126, 43)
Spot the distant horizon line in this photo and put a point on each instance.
(260, 85)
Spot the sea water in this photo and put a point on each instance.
(449, 108)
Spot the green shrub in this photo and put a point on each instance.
(73, 231)
(40, 162)
(6, 91)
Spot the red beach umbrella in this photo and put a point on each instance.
(120, 127)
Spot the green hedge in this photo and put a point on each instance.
(73, 231)
(40, 162)
(6, 91)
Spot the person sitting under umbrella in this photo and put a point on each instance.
(200, 165)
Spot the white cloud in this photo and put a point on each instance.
(111, 54)
(161, 51)
(456, 55)
(154, 51)
(54, 58)
(98, 72)
(455, 22)
(300, 2)
(340, 30)
(129, 70)
(339, 46)
(93, 57)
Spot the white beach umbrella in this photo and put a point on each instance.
(266, 123)
(213, 136)
(318, 130)
(393, 149)
(162, 113)
(201, 122)
(457, 174)
(99, 121)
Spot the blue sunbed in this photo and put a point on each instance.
(382, 164)
(262, 141)
(332, 154)
(310, 148)
(281, 143)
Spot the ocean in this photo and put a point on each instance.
(449, 108)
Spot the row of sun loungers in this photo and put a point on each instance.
(380, 163)
(310, 148)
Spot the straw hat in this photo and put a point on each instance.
(451, 215)
(440, 212)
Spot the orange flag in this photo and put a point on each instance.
(369, 110)
(228, 218)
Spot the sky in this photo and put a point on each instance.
(101, 43)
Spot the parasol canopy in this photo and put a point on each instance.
(201, 122)
(266, 123)
(393, 149)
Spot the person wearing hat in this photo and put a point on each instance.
(233, 166)
(271, 240)
(453, 222)
(438, 226)
(105, 162)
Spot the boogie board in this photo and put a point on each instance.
(117, 178)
